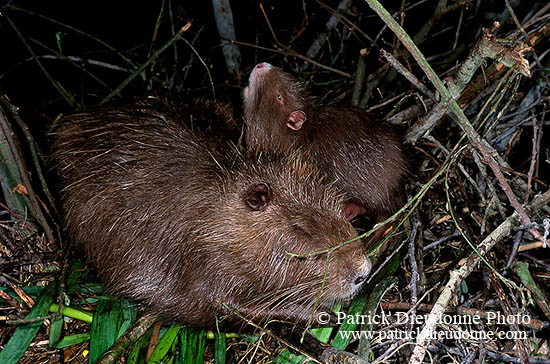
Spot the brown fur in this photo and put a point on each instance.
(362, 155)
(168, 216)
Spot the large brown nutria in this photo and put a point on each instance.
(168, 216)
(364, 156)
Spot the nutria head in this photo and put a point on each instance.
(283, 239)
(276, 104)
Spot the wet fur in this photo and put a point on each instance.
(364, 156)
(159, 208)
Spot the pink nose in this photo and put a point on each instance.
(263, 65)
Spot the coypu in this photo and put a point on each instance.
(166, 217)
(362, 155)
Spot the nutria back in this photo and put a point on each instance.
(362, 154)
(170, 216)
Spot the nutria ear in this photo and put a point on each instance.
(352, 210)
(258, 196)
(296, 119)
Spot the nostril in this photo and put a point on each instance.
(360, 280)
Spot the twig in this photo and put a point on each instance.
(448, 96)
(359, 77)
(153, 341)
(437, 14)
(321, 39)
(442, 240)
(12, 302)
(32, 145)
(460, 167)
(74, 60)
(537, 261)
(405, 73)
(506, 80)
(226, 30)
(140, 69)
(515, 248)
(24, 297)
(526, 39)
(508, 311)
(383, 264)
(392, 350)
(373, 81)
(28, 321)
(271, 334)
(486, 47)
(458, 28)
(131, 336)
(31, 198)
(492, 190)
(156, 29)
(460, 273)
(76, 30)
(497, 357)
(66, 95)
(526, 321)
(335, 355)
(546, 223)
(176, 62)
(289, 52)
(349, 24)
(534, 158)
(414, 267)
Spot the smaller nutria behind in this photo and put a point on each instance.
(364, 156)
(166, 219)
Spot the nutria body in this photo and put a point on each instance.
(364, 156)
(167, 218)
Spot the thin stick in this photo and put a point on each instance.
(140, 69)
(534, 155)
(448, 99)
(405, 73)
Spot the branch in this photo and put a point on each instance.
(226, 30)
(459, 274)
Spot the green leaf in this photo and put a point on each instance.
(193, 343)
(33, 291)
(323, 334)
(164, 344)
(55, 330)
(522, 270)
(286, 357)
(111, 320)
(73, 313)
(10, 177)
(220, 347)
(139, 349)
(370, 310)
(24, 335)
(73, 340)
(357, 306)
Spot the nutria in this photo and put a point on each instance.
(167, 218)
(364, 156)
(212, 118)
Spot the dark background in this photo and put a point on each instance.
(129, 27)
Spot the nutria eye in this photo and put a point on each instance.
(279, 98)
(301, 231)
